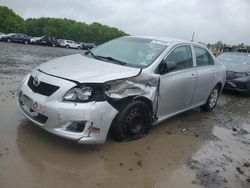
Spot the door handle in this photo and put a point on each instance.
(193, 76)
(214, 71)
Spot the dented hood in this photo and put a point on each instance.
(84, 69)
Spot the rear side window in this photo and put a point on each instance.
(182, 56)
(203, 58)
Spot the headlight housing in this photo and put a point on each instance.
(86, 93)
(241, 75)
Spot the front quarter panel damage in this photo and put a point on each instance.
(136, 88)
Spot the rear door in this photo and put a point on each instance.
(16, 37)
(177, 87)
(74, 44)
(70, 44)
(206, 72)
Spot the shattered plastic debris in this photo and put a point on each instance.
(184, 130)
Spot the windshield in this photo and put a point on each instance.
(134, 52)
(234, 58)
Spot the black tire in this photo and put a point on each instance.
(212, 100)
(26, 42)
(248, 90)
(132, 123)
(79, 48)
(67, 46)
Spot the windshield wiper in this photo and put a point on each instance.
(106, 58)
(112, 59)
(89, 52)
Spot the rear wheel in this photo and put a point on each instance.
(212, 100)
(132, 123)
(67, 46)
(26, 42)
(8, 40)
(79, 48)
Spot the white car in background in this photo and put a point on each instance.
(69, 44)
(1, 35)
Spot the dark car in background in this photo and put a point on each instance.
(238, 71)
(87, 46)
(17, 37)
(46, 41)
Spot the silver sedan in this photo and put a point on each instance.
(121, 87)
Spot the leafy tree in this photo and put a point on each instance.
(9, 21)
(56, 27)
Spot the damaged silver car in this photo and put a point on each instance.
(121, 87)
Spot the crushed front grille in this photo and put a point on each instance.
(42, 88)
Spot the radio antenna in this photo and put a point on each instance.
(193, 37)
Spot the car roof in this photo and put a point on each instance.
(164, 39)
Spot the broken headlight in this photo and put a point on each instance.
(86, 93)
(241, 75)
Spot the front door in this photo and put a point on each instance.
(177, 87)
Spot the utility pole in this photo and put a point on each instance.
(193, 37)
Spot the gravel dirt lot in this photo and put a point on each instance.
(194, 149)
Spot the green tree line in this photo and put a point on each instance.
(10, 22)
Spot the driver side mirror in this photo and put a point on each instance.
(166, 66)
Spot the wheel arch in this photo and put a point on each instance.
(121, 103)
(219, 84)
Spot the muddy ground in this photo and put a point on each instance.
(194, 149)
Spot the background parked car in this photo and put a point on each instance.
(1, 35)
(17, 37)
(87, 46)
(34, 39)
(68, 44)
(238, 71)
(47, 41)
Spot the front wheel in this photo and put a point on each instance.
(8, 40)
(26, 42)
(212, 100)
(132, 123)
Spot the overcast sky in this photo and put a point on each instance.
(211, 20)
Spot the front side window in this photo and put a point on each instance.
(182, 56)
(203, 58)
(134, 52)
